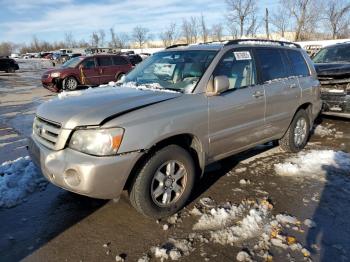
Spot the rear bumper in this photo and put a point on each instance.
(98, 177)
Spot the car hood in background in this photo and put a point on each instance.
(337, 70)
(89, 108)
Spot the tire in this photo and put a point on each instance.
(151, 197)
(119, 77)
(297, 134)
(70, 83)
(10, 70)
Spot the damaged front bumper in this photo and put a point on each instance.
(53, 84)
(335, 94)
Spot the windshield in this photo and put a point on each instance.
(333, 54)
(175, 70)
(72, 63)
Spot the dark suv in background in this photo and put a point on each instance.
(86, 71)
(8, 65)
(332, 64)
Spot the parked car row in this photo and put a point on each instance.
(205, 102)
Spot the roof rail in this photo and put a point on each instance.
(177, 45)
(281, 43)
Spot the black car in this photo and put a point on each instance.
(332, 64)
(133, 58)
(8, 65)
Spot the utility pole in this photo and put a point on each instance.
(267, 23)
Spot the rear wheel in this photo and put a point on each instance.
(297, 134)
(10, 70)
(70, 83)
(164, 183)
(119, 77)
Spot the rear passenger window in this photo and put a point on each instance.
(271, 63)
(118, 60)
(105, 61)
(299, 66)
(239, 67)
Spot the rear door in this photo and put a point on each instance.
(89, 73)
(282, 93)
(106, 69)
(236, 117)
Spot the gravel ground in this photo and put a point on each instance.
(260, 205)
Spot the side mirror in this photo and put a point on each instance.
(220, 85)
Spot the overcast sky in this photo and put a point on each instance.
(50, 19)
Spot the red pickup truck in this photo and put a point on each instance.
(86, 71)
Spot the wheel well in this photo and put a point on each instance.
(186, 141)
(308, 109)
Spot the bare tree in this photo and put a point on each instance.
(305, 14)
(194, 29)
(217, 32)
(102, 36)
(204, 29)
(169, 35)
(253, 27)
(95, 39)
(266, 20)
(140, 35)
(69, 40)
(241, 12)
(280, 20)
(186, 31)
(113, 42)
(6, 48)
(336, 15)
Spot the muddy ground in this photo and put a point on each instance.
(55, 225)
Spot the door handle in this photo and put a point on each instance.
(101, 71)
(293, 86)
(258, 94)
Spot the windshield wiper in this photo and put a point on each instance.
(161, 87)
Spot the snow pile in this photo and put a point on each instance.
(315, 163)
(173, 249)
(149, 87)
(323, 131)
(18, 178)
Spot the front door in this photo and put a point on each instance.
(236, 117)
(89, 73)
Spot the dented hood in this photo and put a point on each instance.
(88, 108)
(337, 70)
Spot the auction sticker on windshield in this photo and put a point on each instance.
(164, 69)
(242, 55)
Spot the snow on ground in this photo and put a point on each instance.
(315, 164)
(323, 131)
(249, 224)
(18, 179)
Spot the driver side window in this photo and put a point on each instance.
(239, 67)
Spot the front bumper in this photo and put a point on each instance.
(336, 103)
(53, 84)
(98, 177)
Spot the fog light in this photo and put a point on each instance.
(71, 177)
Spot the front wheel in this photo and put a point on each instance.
(164, 183)
(297, 134)
(119, 77)
(70, 83)
(10, 70)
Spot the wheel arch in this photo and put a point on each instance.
(187, 141)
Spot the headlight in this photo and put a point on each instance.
(98, 142)
(55, 74)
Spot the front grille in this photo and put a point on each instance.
(47, 132)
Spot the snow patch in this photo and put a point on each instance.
(18, 179)
(315, 163)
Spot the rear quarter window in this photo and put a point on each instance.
(104, 61)
(298, 63)
(272, 64)
(118, 60)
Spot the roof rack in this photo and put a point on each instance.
(177, 45)
(263, 41)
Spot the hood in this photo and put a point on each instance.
(337, 70)
(99, 105)
(61, 70)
